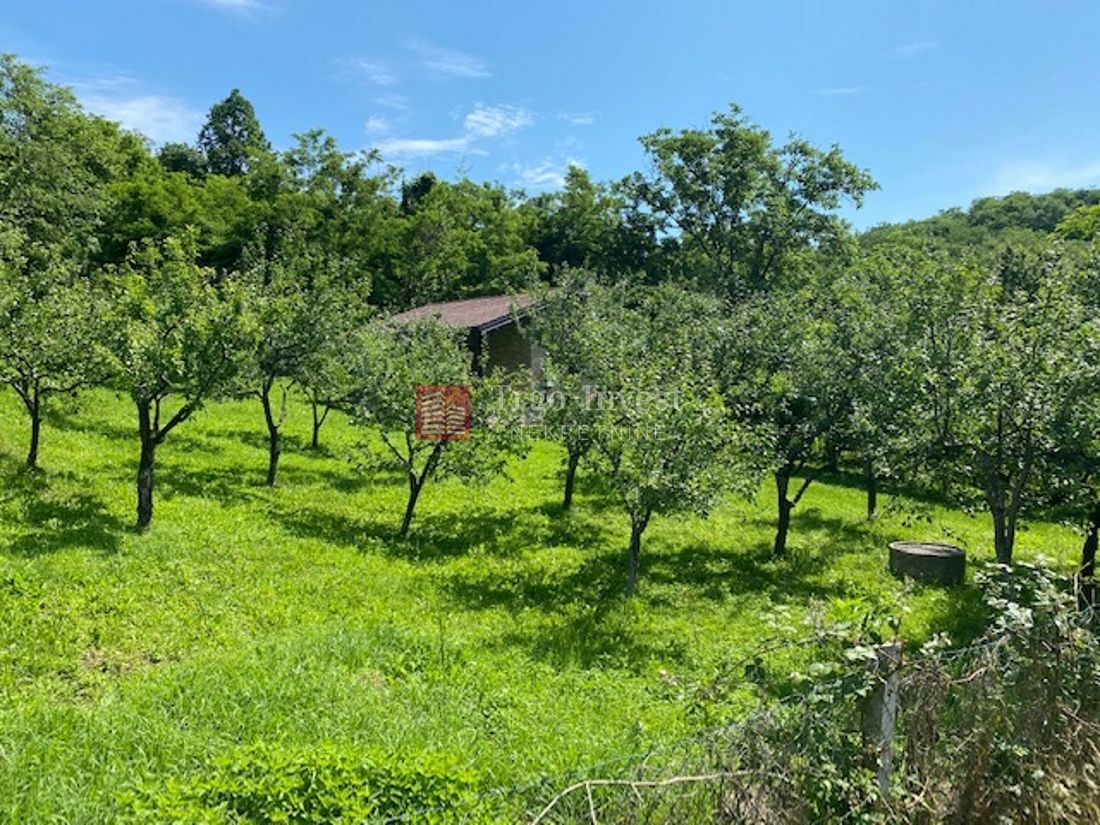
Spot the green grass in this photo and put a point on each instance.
(496, 634)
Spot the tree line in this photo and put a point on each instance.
(731, 323)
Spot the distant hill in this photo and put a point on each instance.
(1018, 216)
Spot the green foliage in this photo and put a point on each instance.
(630, 384)
(175, 330)
(1023, 722)
(54, 162)
(50, 336)
(743, 207)
(1083, 223)
(665, 441)
(460, 240)
(590, 225)
(783, 379)
(153, 204)
(182, 157)
(267, 783)
(1001, 730)
(1007, 358)
(232, 137)
(1019, 218)
(307, 305)
(315, 195)
(391, 362)
(578, 325)
(871, 304)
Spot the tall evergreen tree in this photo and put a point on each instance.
(231, 135)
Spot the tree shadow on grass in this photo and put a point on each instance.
(966, 616)
(227, 486)
(509, 533)
(808, 519)
(853, 479)
(722, 574)
(811, 518)
(709, 573)
(596, 639)
(76, 520)
(596, 583)
(592, 492)
(56, 516)
(256, 437)
(70, 420)
(582, 616)
(441, 536)
(332, 527)
(353, 477)
(577, 616)
(291, 442)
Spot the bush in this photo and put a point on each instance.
(324, 784)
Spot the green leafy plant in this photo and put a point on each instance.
(278, 784)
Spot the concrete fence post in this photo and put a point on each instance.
(879, 712)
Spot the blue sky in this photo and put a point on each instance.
(943, 102)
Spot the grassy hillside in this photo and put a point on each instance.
(496, 634)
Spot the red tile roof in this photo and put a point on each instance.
(484, 314)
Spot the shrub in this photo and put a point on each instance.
(271, 783)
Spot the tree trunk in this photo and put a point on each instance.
(415, 486)
(872, 488)
(34, 408)
(273, 446)
(318, 421)
(570, 478)
(783, 524)
(145, 468)
(1003, 535)
(1086, 593)
(637, 527)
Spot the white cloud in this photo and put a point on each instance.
(378, 125)
(161, 119)
(105, 84)
(569, 144)
(548, 174)
(421, 147)
(372, 71)
(121, 98)
(578, 118)
(480, 124)
(399, 103)
(449, 63)
(914, 48)
(495, 121)
(1042, 177)
(840, 91)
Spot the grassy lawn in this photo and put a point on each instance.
(496, 633)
